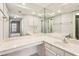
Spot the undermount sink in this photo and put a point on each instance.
(74, 42)
(69, 44)
(61, 43)
(69, 40)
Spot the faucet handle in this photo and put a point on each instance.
(65, 39)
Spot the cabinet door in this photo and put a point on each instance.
(41, 50)
(68, 54)
(58, 51)
(49, 52)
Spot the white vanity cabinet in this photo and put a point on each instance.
(41, 50)
(54, 50)
(51, 50)
(44, 51)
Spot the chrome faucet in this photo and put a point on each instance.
(66, 38)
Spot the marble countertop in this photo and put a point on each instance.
(25, 40)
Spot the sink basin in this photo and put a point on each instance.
(74, 41)
(71, 44)
(61, 43)
(69, 41)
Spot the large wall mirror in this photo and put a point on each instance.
(24, 19)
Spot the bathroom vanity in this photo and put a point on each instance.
(45, 46)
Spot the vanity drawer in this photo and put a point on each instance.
(48, 52)
(48, 45)
(58, 51)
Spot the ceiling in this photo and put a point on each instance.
(38, 8)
